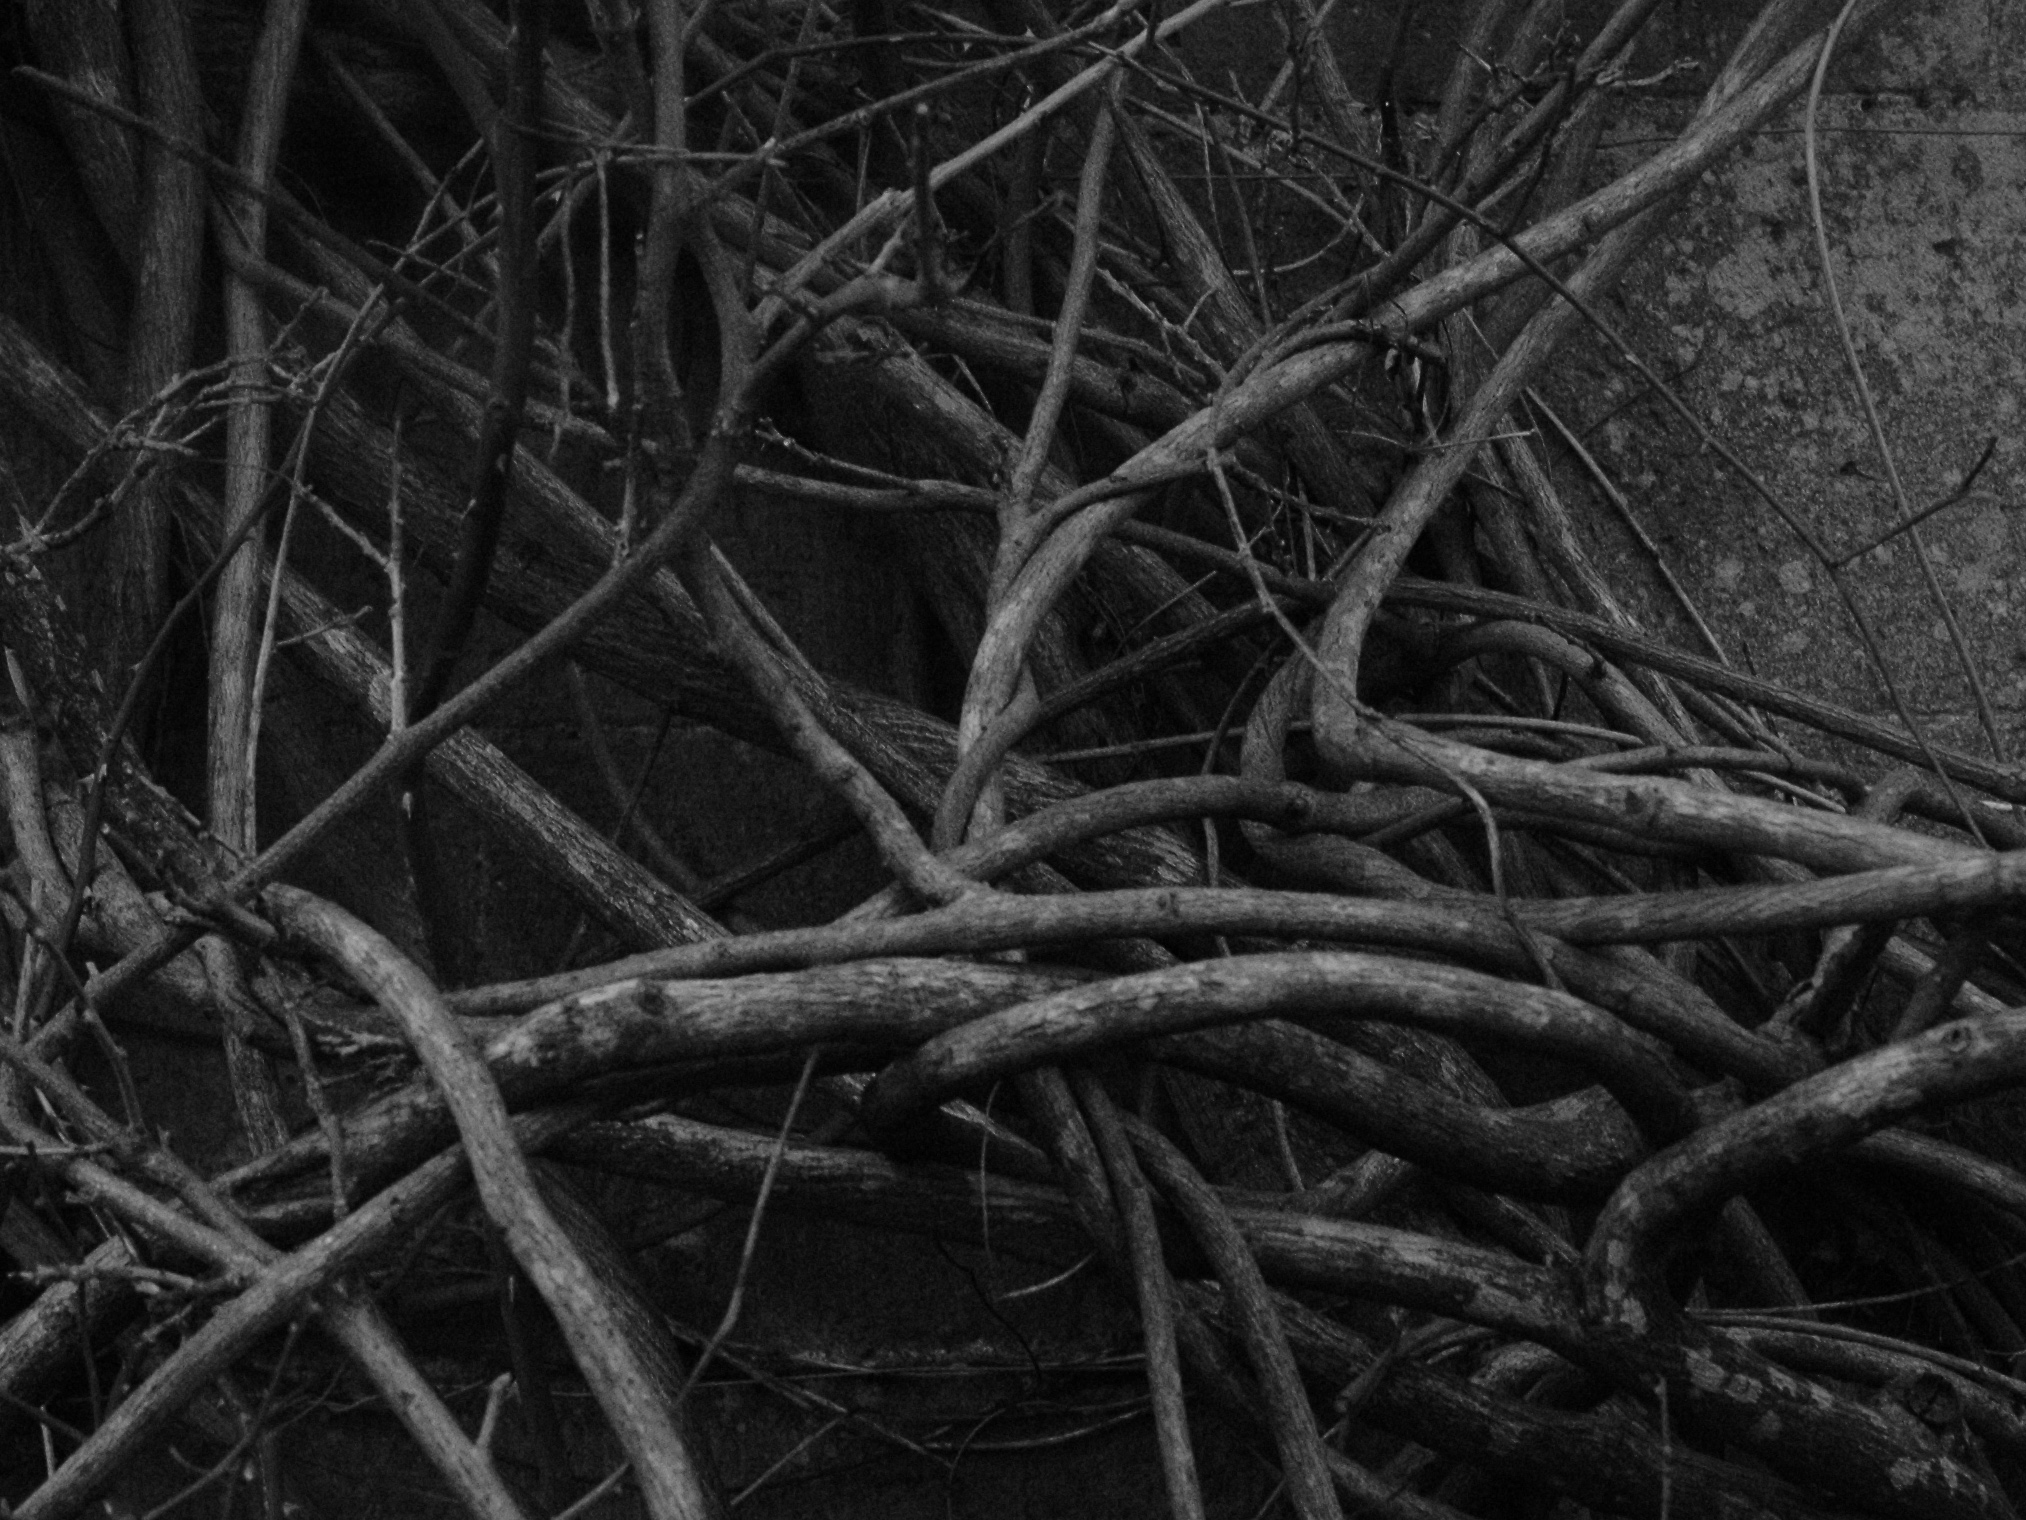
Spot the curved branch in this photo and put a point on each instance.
(1656, 806)
(1340, 983)
(636, 1025)
(1573, 1150)
(1813, 1118)
(641, 1411)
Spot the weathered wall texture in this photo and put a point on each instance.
(1923, 173)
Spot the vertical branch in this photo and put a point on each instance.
(167, 269)
(513, 157)
(986, 698)
(255, 1093)
(658, 422)
(1287, 1412)
(1069, 320)
(1156, 1292)
(230, 784)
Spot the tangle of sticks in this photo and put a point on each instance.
(1627, 1040)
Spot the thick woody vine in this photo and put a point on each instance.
(1372, 785)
